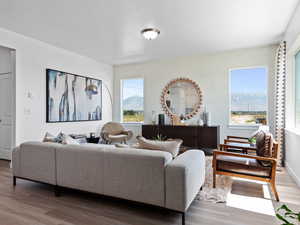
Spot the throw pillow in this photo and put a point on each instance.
(264, 146)
(171, 146)
(59, 137)
(122, 145)
(49, 138)
(68, 140)
(127, 146)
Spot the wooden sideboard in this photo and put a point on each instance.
(205, 137)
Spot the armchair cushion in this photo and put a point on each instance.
(242, 165)
(117, 136)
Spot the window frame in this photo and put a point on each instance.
(246, 126)
(121, 99)
(295, 88)
(292, 50)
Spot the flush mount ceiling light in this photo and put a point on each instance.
(150, 33)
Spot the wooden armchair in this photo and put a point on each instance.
(115, 132)
(246, 166)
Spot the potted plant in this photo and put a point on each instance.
(287, 216)
(159, 137)
(252, 141)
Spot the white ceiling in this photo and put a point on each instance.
(109, 30)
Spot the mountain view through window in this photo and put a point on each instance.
(133, 100)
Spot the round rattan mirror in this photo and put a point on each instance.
(181, 97)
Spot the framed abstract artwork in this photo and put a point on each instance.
(72, 98)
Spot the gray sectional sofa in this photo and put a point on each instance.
(150, 177)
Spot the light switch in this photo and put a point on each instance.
(29, 95)
(27, 111)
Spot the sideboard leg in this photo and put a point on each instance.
(56, 191)
(14, 181)
(183, 218)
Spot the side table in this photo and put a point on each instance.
(93, 140)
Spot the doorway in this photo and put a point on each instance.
(7, 93)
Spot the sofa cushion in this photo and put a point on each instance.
(242, 166)
(171, 146)
(81, 167)
(136, 174)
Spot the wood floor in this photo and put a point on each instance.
(34, 204)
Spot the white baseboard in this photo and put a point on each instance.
(292, 173)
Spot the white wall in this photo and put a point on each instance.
(293, 154)
(293, 29)
(292, 135)
(32, 59)
(5, 62)
(209, 71)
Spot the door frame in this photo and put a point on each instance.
(13, 94)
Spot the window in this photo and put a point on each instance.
(297, 89)
(248, 96)
(132, 107)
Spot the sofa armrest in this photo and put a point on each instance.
(36, 161)
(184, 177)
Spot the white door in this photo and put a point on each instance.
(6, 125)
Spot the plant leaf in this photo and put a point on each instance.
(286, 222)
(282, 218)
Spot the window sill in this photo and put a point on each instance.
(243, 127)
(132, 123)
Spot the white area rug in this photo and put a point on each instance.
(223, 186)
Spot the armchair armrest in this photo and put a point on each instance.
(226, 141)
(184, 177)
(245, 148)
(129, 134)
(216, 152)
(237, 137)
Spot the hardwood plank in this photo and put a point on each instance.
(31, 203)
